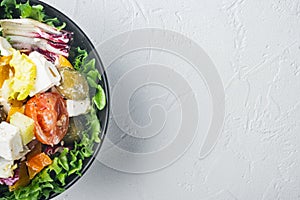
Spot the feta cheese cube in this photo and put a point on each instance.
(10, 141)
(25, 124)
(46, 74)
(76, 108)
(6, 168)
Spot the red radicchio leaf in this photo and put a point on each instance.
(11, 180)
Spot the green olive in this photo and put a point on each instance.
(73, 85)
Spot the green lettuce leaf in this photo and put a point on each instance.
(9, 8)
(34, 12)
(92, 75)
(12, 9)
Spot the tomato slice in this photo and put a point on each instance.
(50, 115)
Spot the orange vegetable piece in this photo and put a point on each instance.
(37, 163)
(64, 62)
(16, 103)
(16, 106)
(35, 151)
(4, 69)
(13, 110)
(32, 173)
(4, 60)
(4, 74)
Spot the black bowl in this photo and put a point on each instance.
(82, 41)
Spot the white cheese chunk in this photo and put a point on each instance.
(10, 142)
(76, 108)
(4, 47)
(6, 168)
(46, 74)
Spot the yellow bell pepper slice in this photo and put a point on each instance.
(24, 77)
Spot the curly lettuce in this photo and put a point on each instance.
(88, 68)
(12, 9)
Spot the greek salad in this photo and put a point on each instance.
(50, 94)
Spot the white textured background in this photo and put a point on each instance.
(255, 46)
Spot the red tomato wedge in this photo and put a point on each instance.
(50, 115)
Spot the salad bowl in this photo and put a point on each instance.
(80, 42)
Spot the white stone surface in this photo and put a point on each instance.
(255, 46)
